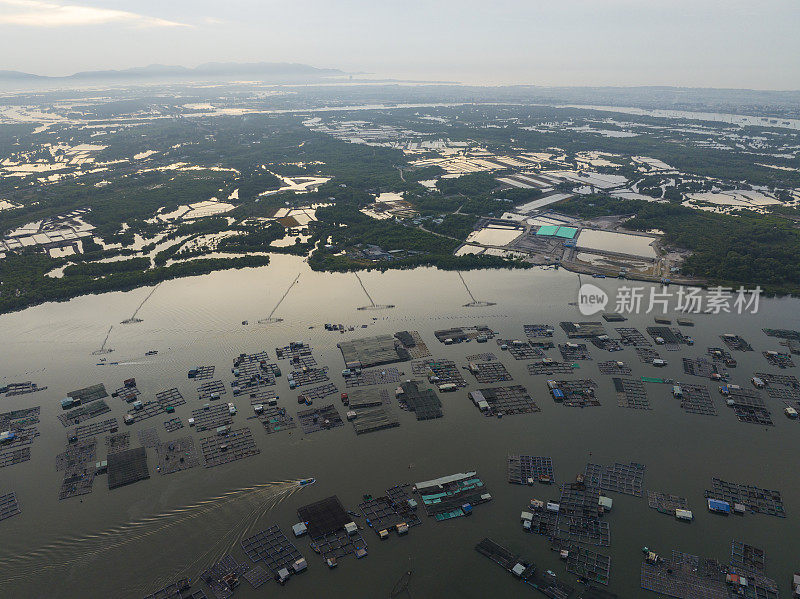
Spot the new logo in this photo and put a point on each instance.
(591, 299)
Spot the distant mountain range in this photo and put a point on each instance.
(215, 70)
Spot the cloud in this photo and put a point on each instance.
(37, 13)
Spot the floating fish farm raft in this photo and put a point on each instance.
(118, 442)
(501, 556)
(321, 392)
(578, 499)
(89, 394)
(550, 367)
(173, 424)
(632, 337)
(452, 496)
(507, 400)
(326, 520)
(373, 351)
(148, 437)
(606, 343)
(176, 455)
(151, 409)
(308, 376)
(245, 358)
(574, 351)
(95, 428)
(20, 418)
(273, 548)
(372, 377)
(577, 519)
(735, 342)
(582, 330)
(440, 371)
(783, 333)
(646, 355)
(687, 576)
(700, 367)
(15, 456)
(631, 393)
(535, 331)
(235, 444)
(76, 454)
(23, 435)
(586, 564)
(613, 367)
(127, 467)
(211, 417)
(545, 582)
(84, 412)
(368, 398)
(262, 396)
(324, 516)
(747, 556)
(391, 511)
(523, 469)
(460, 334)
(258, 576)
(627, 479)
(425, 404)
(202, 373)
(223, 576)
(672, 338)
(719, 354)
(749, 406)
(785, 387)
(127, 393)
(521, 350)
(178, 590)
(8, 505)
(319, 419)
(13, 389)
(781, 360)
(78, 480)
(695, 399)
(581, 529)
(755, 499)
(578, 393)
(371, 419)
(412, 342)
(211, 390)
(665, 503)
(489, 372)
(614, 317)
(170, 397)
(251, 371)
(482, 357)
(276, 419)
(297, 353)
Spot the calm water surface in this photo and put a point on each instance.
(111, 547)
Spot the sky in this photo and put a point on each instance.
(697, 43)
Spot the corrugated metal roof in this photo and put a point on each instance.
(566, 232)
(444, 479)
(547, 230)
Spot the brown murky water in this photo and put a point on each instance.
(133, 540)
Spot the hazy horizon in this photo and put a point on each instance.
(703, 43)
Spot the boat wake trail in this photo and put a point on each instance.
(243, 507)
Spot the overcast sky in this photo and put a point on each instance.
(704, 43)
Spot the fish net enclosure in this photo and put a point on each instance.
(479, 304)
(377, 307)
